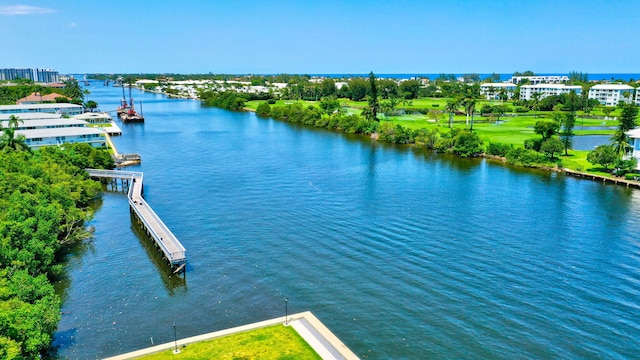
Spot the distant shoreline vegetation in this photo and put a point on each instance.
(502, 76)
(449, 114)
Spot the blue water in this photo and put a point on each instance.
(403, 254)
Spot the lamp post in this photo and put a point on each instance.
(286, 311)
(175, 339)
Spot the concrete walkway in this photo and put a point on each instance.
(318, 336)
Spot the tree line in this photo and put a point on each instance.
(457, 141)
(10, 94)
(44, 198)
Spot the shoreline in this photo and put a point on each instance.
(503, 160)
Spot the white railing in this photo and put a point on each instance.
(175, 256)
(114, 173)
(136, 183)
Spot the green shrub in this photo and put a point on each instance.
(632, 176)
(427, 138)
(524, 157)
(263, 110)
(498, 149)
(467, 144)
(533, 144)
(460, 142)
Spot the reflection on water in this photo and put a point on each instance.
(172, 282)
(402, 253)
(589, 142)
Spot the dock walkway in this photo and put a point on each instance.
(166, 241)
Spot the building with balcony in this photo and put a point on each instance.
(612, 94)
(57, 131)
(543, 90)
(36, 75)
(492, 91)
(543, 79)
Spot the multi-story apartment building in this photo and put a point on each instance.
(492, 91)
(37, 75)
(612, 94)
(543, 79)
(527, 91)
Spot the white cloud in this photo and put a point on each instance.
(23, 10)
(73, 24)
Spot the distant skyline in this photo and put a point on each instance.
(328, 37)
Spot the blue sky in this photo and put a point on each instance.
(242, 36)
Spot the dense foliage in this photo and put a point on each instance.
(43, 201)
(10, 94)
(229, 100)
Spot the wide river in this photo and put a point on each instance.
(403, 254)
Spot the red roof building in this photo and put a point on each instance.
(38, 98)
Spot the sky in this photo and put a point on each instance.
(321, 36)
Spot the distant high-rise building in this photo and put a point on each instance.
(36, 75)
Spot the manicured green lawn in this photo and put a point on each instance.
(272, 342)
(512, 130)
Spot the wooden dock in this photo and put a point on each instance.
(603, 179)
(164, 239)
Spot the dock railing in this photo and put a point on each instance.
(151, 221)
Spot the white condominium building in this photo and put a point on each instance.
(61, 108)
(535, 80)
(492, 91)
(544, 90)
(612, 94)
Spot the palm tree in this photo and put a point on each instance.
(9, 140)
(451, 107)
(535, 99)
(14, 121)
(469, 105)
(621, 143)
(502, 95)
(406, 102)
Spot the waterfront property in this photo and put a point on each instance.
(611, 94)
(52, 129)
(61, 108)
(527, 91)
(634, 136)
(164, 239)
(39, 133)
(492, 91)
(66, 133)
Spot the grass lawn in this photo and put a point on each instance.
(512, 130)
(272, 342)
